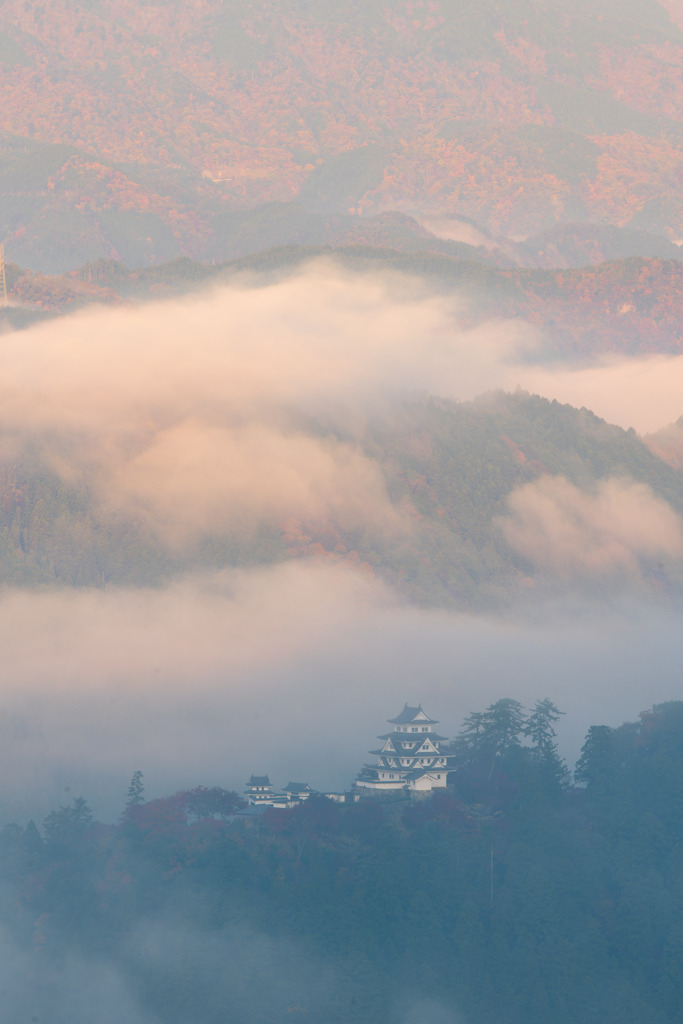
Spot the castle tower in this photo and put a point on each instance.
(410, 757)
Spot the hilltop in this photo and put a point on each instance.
(510, 896)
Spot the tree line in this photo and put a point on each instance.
(518, 894)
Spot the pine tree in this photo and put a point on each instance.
(540, 729)
(597, 765)
(68, 823)
(136, 790)
(505, 724)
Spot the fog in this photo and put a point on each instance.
(290, 670)
(190, 414)
(237, 971)
(71, 990)
(643, 393)
(558, 526)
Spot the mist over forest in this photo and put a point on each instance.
(249, 499)
(341, 371)
(439, 906)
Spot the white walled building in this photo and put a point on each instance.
(410, 757)
(260, 792)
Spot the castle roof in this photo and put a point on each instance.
(409, 715)
(411, 737)
(297, 787)
(419, 773)
(259, 780)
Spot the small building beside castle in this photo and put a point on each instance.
(410, 757)
(260, 792)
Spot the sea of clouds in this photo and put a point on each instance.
(195, 415)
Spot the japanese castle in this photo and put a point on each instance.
(410, 757)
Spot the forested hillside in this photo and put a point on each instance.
(449, 470)
(310, 311)
(512, 896)
(137, 130)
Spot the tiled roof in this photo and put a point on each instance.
(419, 773)
(259, 780)
(409, 715)
(410, 737)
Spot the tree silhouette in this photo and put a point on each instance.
(136, 790)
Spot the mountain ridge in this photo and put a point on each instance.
(130, 129)
(626, 307)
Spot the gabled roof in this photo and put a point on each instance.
(297, 787)
(409, 715)
(420, 773)
(411, 737)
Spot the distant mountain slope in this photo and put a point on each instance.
(130, 130)
(578, 245)
(449, 468)
(625, 306)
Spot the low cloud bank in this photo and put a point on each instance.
(249, 975)
(291, 671)
(645, 393)
(667, 443)
(190, 413)
(200, 478)
(559, 527)
(69, 989)
(198, 415)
